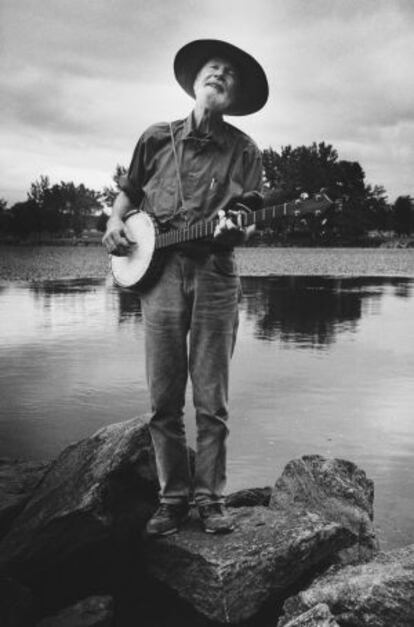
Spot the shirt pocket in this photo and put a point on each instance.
(214, 193)
(162, 197)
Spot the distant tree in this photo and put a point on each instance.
(5, 217)
(79, 202)
(110, 193)
(53, 208)
(379, 213)
(302, 169)
(39, 190)
(46, 201)
(311, 168)
(25, 218)
(403, 215)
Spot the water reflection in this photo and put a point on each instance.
(48, 289)
(311, 311)
(126, 302)
(129, 305)
(72, 361)
(403, 289)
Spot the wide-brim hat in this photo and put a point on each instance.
(253, 90)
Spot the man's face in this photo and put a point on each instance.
(216, 84)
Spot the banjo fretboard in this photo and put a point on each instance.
(202, 230)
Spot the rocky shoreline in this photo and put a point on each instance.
(73, 550)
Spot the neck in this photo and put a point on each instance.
(205, 118)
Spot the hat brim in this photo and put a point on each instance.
(253, 90)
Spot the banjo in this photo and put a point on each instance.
(142, 265)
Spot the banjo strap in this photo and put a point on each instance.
(177, 168)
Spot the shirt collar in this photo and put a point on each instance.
(216, 133)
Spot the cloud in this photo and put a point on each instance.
(87, 78)
(38, 100)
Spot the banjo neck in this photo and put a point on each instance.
(201, 230)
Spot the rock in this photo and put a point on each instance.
(335, 489)
(319, 616)
(93, 493)
(18, 479)
(229, 578)
(379, 593)
(94, 611)
(249, 497)
(16, 604)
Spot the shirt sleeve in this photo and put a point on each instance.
(131, 183)
(253, 169)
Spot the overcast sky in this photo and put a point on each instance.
(81, 79)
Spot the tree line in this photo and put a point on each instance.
(359, 209)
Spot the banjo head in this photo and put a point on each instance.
(130, 269)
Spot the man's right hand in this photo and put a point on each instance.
(116, 239)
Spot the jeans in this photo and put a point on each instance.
(191, 319)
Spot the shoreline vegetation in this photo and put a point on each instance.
(360, 214)
(47, 262)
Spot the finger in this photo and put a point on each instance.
(116, 245)
(124, 241)
(250, 230)
(219, 229)
(119, 252)
(119, 239)
(241, 208)
(220, 226)
(108, 243)
(128, 237)
(230, 224)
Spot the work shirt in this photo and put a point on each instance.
(216, 168)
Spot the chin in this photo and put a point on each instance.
(218, 105)
(212, 100)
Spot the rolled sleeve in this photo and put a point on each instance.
(253, 169)
(131, 184)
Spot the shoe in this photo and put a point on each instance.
(167, 519)
(215, 518)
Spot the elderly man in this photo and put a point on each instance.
(182, 173)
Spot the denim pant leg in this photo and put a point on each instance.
(166, 321)
(213, 331)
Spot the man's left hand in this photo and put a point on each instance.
(229, 229)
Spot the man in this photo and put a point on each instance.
(181, 173)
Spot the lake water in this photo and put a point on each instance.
(322, 365)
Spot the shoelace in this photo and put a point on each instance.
(213, 508)
(168, 508)
(163, 509)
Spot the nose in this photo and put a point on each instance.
(219, 72)
(220, 78)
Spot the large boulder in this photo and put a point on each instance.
(96, 611)
(249, 497)
(335, 489)
(318, 616)
(17, 606)
(93, 494)
(379, 593)
(320, 512)
(229, 578)
(18, 479)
